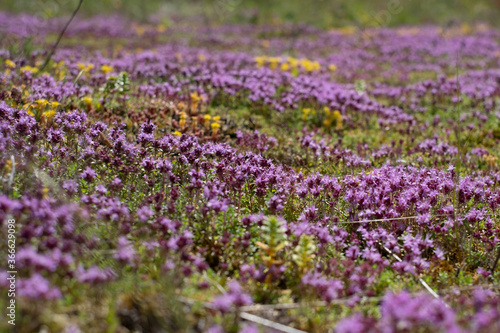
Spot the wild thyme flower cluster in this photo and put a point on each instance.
(216, 174)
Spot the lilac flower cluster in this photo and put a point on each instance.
(126, 164)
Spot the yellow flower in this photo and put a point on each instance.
(54, 105)
(215, 128)
(285, 67)
(216, 119)
(181, 106)
(49, 114)
(182, 121)
(10, 63)
(338, 118)
(106, 69)
(62, 74)
(8, 166)
(293, 62)
(310, 66)
(201, 57)
(207, 120)
(177, 133)
(195, 97)
(88, 101)
(41, 104)
(273, 62)
(261, 61)
(29, 69)
(305, 113)
(85, 67)
(195, 100)
(332, 67)
(490, 160)
(331, 117)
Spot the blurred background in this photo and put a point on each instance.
(321, 13)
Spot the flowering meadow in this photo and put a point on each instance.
(241, 178)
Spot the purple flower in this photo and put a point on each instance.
(235, 296)
(88, 174)
(38, 288)
(144, 213)
(125, 251)
(95, 275)
(70, 186)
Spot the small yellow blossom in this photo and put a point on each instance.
(195, 100)
(88, 101)
(106, 69)
(273, 62)
(310, 66)
(49, 114)
(182, 121)
(332, 117)
(54, 105)
(85, 67)
(195, 97)
(305, 113)
(58, 64)
(338, 118)
(10, 63)
(261, 61)
(45, 193)
(29, 69)
(285, 67)
(215, 128)
(332, 67)
(177, 133)
(490, 160)
(8, 166)
(207, 120)
(293, 62)
(41, 104)
(181, 106)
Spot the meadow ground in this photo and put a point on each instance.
(186, 177)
